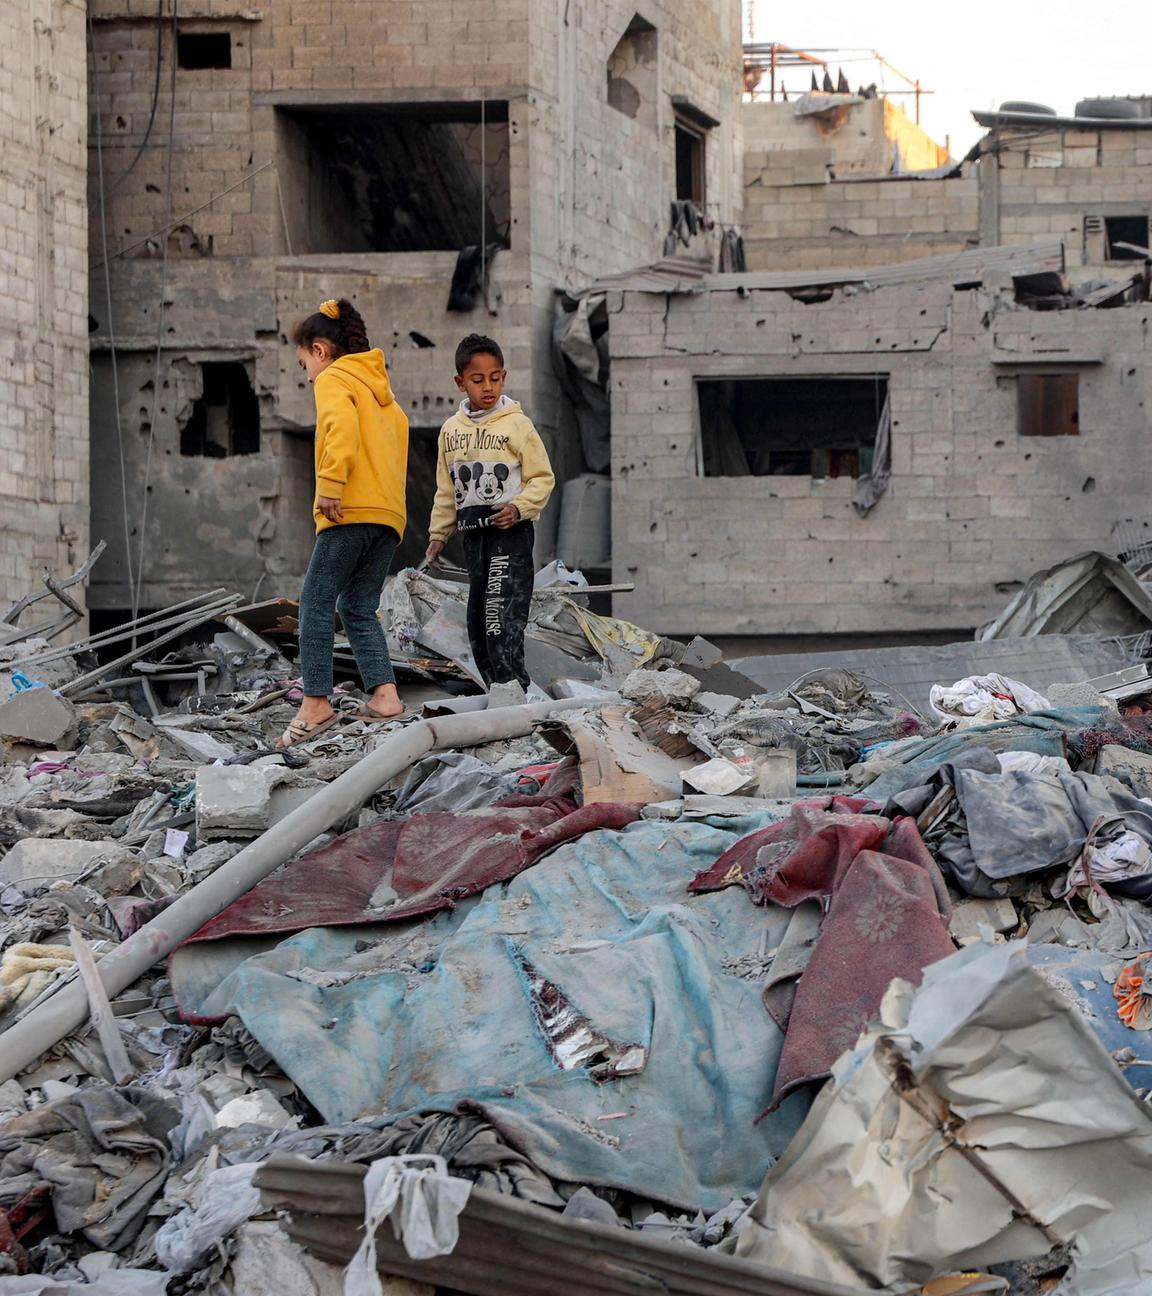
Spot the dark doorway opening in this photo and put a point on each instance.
(225, 420)
(690, 140)
(790, 427)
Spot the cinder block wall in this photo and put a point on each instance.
(806, 204)
(1051, 184)
(589, 192)
(972, 506)
(44, 286)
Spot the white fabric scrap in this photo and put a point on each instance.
(423, 1202)
(981, 699)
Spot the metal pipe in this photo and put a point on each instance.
(64, 1012)
(133, 628)
(201, 617)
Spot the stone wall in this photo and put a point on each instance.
(973, 506)
(44, 285)
(585, 187)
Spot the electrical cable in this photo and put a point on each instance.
(137, 589)
(155, 101)
(99, 132)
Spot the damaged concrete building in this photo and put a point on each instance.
(965, 374)
(43, 333)
(257, 162)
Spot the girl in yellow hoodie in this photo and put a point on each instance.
(361, 467)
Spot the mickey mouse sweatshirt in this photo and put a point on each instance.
(484, 462)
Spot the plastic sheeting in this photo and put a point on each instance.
(607, 921)
(1045, 1142)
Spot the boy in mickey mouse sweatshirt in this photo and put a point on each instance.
(493, 479)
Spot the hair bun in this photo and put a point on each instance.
(331, 308)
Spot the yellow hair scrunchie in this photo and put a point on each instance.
(331, 308)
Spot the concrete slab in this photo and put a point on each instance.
(38, 861)
(36, 716)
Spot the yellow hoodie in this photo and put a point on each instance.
(361, 442)
(484, 462)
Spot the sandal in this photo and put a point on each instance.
(300, 731)
(371, 716)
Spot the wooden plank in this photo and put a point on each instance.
(111, 1041)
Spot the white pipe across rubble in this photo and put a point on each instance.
(23, 1043)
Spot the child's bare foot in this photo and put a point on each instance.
(385, 702)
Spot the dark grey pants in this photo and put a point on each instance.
(347, 572)
(500, 576)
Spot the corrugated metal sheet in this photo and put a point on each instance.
(675, 275)
(508, 1247)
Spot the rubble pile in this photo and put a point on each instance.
(828, 991)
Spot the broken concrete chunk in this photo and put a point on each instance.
(701, 654)
(970, 915)
(36, 716)
(234, 800)
(256, 1108)
(199, 746)
(38, 862)
(674, 685)
(717, 704)
(506, 695)
(246, 800)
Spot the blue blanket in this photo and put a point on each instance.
(471, 1007)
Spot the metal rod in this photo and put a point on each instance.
(128, 628)
(84, 680)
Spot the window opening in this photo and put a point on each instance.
(790, 427)
(1048, 404)
(395, 178)
(1123, 235)
(198, 50)
(689, 161)
(632, 72)
(225, 419)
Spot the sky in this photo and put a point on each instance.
(974, 54)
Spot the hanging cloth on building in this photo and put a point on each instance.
(871, 486)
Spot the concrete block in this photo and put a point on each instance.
(38, 862)
(970, 915)
(235, 800)
(36, 716)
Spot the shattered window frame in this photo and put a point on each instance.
(853, 459)
(1137, 233)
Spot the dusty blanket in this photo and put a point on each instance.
(104, 1154)
(885, 910)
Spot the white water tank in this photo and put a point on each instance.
(585, 538)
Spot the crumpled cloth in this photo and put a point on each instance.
(224, 1201)
(26, 969)
(886, 915)
(471, 1146)
(103, 1152)
(429, 1202)
(981, 699)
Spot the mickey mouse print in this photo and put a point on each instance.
(485, 464)
(482, 489)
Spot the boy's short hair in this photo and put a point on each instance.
(477, 344)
